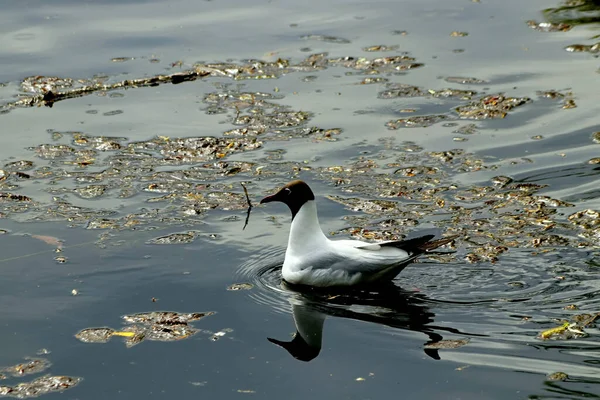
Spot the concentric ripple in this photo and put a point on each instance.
(263, 269)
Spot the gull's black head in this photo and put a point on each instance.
(294, 194)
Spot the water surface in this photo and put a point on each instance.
(374, 345)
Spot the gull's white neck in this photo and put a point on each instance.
(306, 232)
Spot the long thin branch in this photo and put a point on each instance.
(50, 97)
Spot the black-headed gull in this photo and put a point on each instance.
(313, 259)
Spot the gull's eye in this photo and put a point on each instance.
(288, 191)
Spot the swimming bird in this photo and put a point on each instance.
(312, 259)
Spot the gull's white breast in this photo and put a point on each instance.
(312, 259)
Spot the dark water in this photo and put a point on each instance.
(374, 344)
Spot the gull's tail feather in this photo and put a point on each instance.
(409, 245)
(419, 245)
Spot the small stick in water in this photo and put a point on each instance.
(247, 197)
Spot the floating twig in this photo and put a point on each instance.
(247, 196)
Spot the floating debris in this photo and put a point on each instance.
(53, 151)
(14, 197)
(490, 107)
(447, 344)
(453, 93)
(397, 90)
(49, 90)
(31, 366)
(550, 94)
(594, 160)
(95, 335)
(570, 329)
(166, 317)
(162, 326)
(366, 206)
(380, 48)
(459, 34)
(377, 65)
(568, 104)
(372, 81)
(21, 165)
(175, 238)
(549, 26)
(182, 179)
(501, 181)
(586, 219)
(45, 84)
(416, 121)
(420, 187)
(40, 386)
(567, 98)
(240, 286)
(218, 335)
(557, 376)
(582, 48)
(122, 59)
(468, 129)
(559, 331)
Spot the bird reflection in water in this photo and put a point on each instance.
(387, 305)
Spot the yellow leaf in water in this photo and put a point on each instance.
(123, 333)
(554, 331)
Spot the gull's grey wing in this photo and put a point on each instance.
(373, 257)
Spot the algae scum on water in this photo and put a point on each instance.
(178, 180)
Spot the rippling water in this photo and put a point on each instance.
(80, 224)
